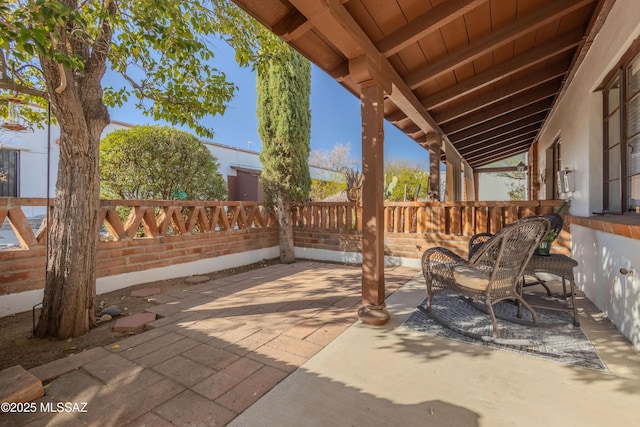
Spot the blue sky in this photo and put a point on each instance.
(335, 115)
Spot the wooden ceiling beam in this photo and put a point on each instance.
(292, 26)
(340, 72)
(536, 120)
(490, 150)
(428, 23)
(555, 71)
(530, 112)
(503, 93)
(472, 144)
(396, 116)
(496, 169)
(549, 90)
(426, 140)
(342, 31)
(505, 69)
(496, 39)
(411, 129)
(499, 155)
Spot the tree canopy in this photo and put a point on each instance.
(284, 123)
(154, 162)
(56, 52)
(163, 49)
(409, 174)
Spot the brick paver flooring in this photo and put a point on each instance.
(214, 350)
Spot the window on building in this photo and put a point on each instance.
(554, 165)
(621, 147)
(9, 162)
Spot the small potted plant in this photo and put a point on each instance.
(545, 243)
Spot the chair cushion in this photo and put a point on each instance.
(470, 278)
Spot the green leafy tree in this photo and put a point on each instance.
(57, 51)
(338, 159)
(153, 162)
(517, 187)
(321, 190)
(284, 123)
(411, 176)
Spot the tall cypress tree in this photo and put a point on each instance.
(284, 124)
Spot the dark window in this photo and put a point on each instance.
(621, 147)
(9, 173)
(557, 167)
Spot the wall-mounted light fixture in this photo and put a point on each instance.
(13, 121)
(521, 167)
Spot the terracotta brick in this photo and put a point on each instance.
(166, 353)
(251, 389)
(15, 276)
(52, 370)
(621, 230)
(19, 385)
(144, 258)
(634, 230)
(190, 409)
(34, 263)
(134, 322)
(210, 356)
(23, 286)
(224, 380)
(294, 346)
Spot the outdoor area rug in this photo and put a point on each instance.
(554, 338)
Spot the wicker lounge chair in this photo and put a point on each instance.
(492, 273)
(556, 223)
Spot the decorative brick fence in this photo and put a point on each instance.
(412, 227)
(154, 234)
(143, 235)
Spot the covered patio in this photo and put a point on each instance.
(472, 81)
(476, 81)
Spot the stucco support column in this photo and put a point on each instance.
(373, 292)
(434, 166)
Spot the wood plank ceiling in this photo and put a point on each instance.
(484, 73)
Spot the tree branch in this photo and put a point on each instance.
(10, 85)
(97, 60)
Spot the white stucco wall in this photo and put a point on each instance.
(601, 256)
(578, 123)
(33, 161)
(492, 187)
(230, 157)
(32, 146)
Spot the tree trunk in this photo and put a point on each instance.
(69, 300)
(68, 306)
(285, 231)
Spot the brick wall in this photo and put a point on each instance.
(24, 270)
(403, 245)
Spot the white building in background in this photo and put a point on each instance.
(27, 156)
